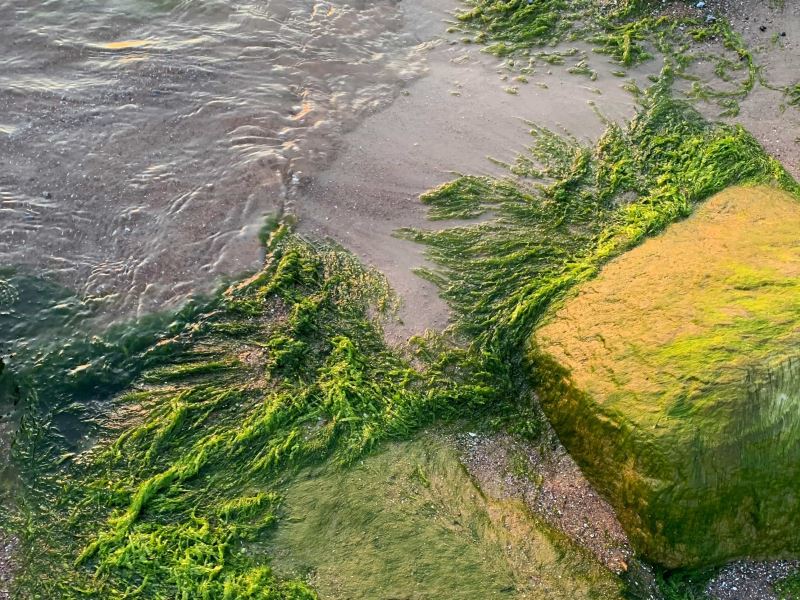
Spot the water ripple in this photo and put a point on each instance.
(143, 141)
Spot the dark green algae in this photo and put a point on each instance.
(193, 433)
(433, 533)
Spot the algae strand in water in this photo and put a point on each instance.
(280, 370)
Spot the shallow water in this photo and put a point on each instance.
(143, 142)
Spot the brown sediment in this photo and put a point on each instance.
(551, 484)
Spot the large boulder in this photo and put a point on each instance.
(674, 380)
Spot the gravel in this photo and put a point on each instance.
(749, 580)
(7, 547)
(550, 483)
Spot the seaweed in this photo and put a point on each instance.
(571, 208)
(630, 33)
(793, 95)
(197, 427)
(789, 588)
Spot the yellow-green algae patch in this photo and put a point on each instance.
(675, 381)
(409, 522)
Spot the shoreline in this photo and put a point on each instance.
(451, 120)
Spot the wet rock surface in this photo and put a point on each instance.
(672, 379)
(551, 484)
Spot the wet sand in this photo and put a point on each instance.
(551, 485)
(764, 113)
(449, 121)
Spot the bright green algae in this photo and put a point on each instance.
(184, 484)
(789, 589)
(539, 241)
(679, 381)
(477, 266)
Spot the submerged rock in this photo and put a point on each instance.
(674, 380)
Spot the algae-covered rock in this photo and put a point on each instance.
(674, 380)
(409, 522)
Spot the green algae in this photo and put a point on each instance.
(793, 95)
(684, 383)
(630, 33)
(684, 584)
(184, 462)
(789, 588)
(408, 522)
(228, 468)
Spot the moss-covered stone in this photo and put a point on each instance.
(674, 379)
(409, 522)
